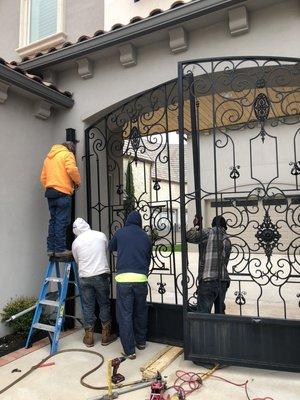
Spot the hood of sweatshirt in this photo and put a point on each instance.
(80, 226)
(57, 148)
(134, 218)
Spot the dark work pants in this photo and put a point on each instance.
(60, 217)
(95, 288)
(212, 293)
(132, 314)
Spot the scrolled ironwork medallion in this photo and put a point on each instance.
(161, 288)
(234, 174)
(135, 139)
(295, 168)
(156, 185)
(261, 107)
(268, 235)
(240, 298)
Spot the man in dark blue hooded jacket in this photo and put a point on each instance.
(133, 247)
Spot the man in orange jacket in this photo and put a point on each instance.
(60, 176)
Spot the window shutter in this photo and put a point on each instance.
(43, 19)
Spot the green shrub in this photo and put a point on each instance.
(22, 324)
(129, 200)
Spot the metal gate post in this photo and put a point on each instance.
(88, 176)
(182, 204)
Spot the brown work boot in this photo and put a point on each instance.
(106, 337)
(88, 338)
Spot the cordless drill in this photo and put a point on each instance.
(115, 363)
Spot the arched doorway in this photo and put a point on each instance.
(222, 139)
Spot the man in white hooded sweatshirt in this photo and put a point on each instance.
(90, 253)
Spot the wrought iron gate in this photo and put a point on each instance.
(241, 117)
(142, 133)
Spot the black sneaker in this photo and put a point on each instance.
(141, 346)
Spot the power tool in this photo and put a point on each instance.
(115, 363)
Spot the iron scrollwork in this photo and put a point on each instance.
(161, 287)
(234, 174)
(240, 103)
(240, 298)
(262, 109)
(295, 168)
(268, 235)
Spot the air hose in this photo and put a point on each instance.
(83, 377)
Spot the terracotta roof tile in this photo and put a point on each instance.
(83, 38)
(117, 26)
(135, 19)
(99, 33)
(51, 50)
(66, 44)
(177, 4)
(14, 66)
(156, 11)
(153, 13)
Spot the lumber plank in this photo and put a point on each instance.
(161, 361)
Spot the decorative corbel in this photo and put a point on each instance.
(42, 110)
(3, 92)
(238, 21)
(85, 68)
(178, 40)
(49, 76)
(128, 57)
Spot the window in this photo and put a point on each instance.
(41, 25)
(43, 19)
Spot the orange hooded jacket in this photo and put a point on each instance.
(59, 170)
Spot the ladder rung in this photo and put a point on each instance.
(54, 279)
(51, 303)
(44, 327)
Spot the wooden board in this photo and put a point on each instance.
(160, 361)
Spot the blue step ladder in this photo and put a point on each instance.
(53, 275)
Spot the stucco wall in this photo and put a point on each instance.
(24, 141)
(9, 28)
(83, 18)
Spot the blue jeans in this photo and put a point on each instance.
(95, 288)
(132, 314)
(212, 293)
(60, 218)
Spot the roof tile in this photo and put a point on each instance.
(156, 11)
(135, 19)
(83, 38)
(116, 26)
(153, 13)
(99, 33)
(14, 66)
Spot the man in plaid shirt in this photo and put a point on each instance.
(213, 276)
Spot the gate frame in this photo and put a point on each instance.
(201, 344)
